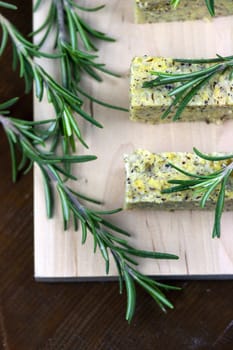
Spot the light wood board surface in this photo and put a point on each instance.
(59, 254)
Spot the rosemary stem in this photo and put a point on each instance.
(4, 120)
(61, 20)
(72, 198)
(75, 201)
(50, 174)
(4, 22)
(7, 124)
(227, 169)
(20, 47)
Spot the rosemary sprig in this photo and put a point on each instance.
(187, 85)
(105, 237)
(29, 138)
(206, 184)
(63, 101)
(209, 5)
(72, 35)
(73, 39)
(65, 16)
(63, 97)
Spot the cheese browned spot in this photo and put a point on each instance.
(150, 11)
(213, 103)
(147, 174)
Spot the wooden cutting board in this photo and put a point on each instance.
(59, 254)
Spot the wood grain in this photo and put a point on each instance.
(60, 254)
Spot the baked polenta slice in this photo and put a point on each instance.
(147, 175)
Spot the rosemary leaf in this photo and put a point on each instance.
(209, 5)
(220, 206)
(7, 5)
(131, 295)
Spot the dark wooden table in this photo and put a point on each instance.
(86, 315)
